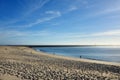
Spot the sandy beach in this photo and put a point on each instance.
(23, 63)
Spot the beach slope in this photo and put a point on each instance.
(23, 63)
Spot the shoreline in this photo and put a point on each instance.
(24, 63)
(79, 59)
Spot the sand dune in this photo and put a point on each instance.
(23, 63)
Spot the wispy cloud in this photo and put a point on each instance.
(110, 8)
(30, 7)
(34, 5)
(62, 38)
(109, 33)
(25, 34)
(53, 15)
(44, 33)
(57, 13)
(107, 11)
(77, 4)
(72, 8)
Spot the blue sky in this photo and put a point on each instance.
(52, 22)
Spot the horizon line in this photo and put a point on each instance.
(57, 45)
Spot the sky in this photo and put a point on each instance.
(59, 22)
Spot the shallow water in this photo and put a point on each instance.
(105, 53)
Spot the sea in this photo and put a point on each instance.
(102, 53)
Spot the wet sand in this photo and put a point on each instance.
(23, 63)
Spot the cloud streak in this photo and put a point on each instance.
(72, 8)
(29, 9)
(44, 35)
(24, 34)
(57, 13)
(53, 15)
(109, 33)
(112, 7)
(34, 5)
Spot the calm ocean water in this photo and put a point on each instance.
(105, 53)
